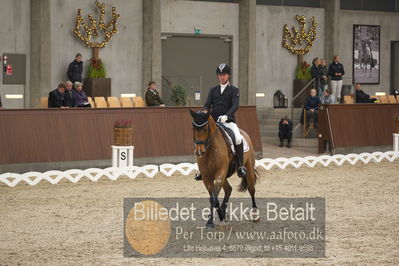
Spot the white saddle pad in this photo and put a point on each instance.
(232, 146)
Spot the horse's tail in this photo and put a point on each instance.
(244, 182)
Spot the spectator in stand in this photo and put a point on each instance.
(56, 97)
(328, 97)
(69, 99)
(336, 71)
(1, 105)
(285, 131)
(80, 95)
(312, 107)
(324, 70)
(75, 69)
(152, 97)
(361, 96)
(317, 74)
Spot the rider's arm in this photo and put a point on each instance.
(235, 103)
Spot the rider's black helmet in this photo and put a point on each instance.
(223, 69)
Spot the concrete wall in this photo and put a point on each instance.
(275, 65)
(389, 32)
(212, 18)
(122, 56)
(14, 38)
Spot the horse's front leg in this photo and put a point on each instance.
(213, 194)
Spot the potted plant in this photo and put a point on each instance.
(302, 77)
(123, 133)
(178, 95)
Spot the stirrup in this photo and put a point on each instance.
(198, 177)
(242, 171)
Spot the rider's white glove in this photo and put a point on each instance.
(222, 119)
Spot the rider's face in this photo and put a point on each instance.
(223, 78)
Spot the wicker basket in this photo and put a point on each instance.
(397, 123)
(123, 136)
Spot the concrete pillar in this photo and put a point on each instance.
(152, 49)
(247, 51)
(40, 52)
(331, 28)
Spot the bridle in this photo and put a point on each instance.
(210, 137)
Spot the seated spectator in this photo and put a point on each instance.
(312, 107)
(56, 97)
(152, 97)
(1, 105)
(328, 97)
(70, 99)
(361, 96)
(285, 131)
(80, 95)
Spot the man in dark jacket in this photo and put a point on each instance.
(223, 101)
(152, 97)
(336, 71)
(362, 97)
(69, 99)
(312, 107)
(317, 73)
(56, 97)
(285, 131)
(75, 69)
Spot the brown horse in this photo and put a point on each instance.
(214, 158)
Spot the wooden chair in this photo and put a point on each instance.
(383, 99)
(43, 102)
(392, 99)
(126, 102)
(101, 104)
(139, 102)
(91, 102)
(348, 99)
(112, 99)
(114, 104)
(96, 99)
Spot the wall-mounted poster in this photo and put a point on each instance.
(366, 54)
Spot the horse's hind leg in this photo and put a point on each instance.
(251, 181)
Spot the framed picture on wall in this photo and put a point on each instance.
(366, 54)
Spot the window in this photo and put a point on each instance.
(371, 5)
(305, 3)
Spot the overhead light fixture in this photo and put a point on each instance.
(260, 95)
(14, 96)
(128, 95)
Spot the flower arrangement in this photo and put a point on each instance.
(96, 69)
(179, 95)
(303, 71)
(123, 124)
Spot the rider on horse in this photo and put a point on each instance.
(223, 101)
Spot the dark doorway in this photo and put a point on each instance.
(394, 65)
(191, 61)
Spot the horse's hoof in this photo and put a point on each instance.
(210, 225)
(255, 215)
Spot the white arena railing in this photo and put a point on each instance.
(113, 173)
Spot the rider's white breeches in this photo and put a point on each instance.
(233, 126)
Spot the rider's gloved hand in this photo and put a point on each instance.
(222, 119)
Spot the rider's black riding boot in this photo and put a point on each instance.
(198, 176)
(241, 172)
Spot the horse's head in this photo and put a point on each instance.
(201, 131)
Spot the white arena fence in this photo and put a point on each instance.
(113, 173)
